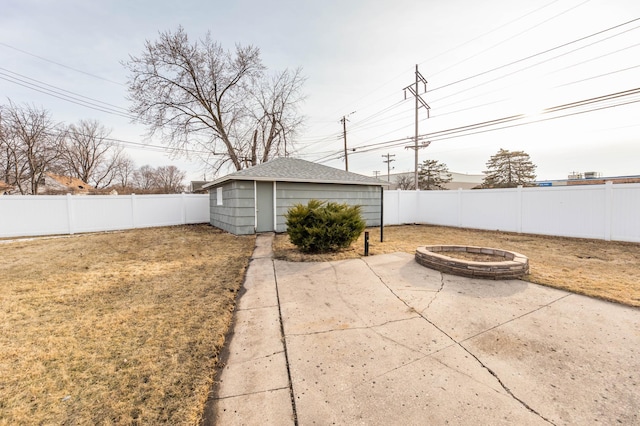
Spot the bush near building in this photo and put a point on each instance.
(320, 226)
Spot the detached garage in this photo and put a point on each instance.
(256, 199)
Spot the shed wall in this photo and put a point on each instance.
(290, 193)
(237, 212)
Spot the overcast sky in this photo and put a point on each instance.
(483, 61)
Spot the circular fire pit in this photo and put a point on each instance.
(514, 265)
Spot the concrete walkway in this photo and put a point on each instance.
(253, 387)
(383, 340)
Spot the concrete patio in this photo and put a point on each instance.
(383, 340)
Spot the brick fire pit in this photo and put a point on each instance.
(514, 265)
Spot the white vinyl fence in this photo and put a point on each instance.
(607, 212)
(29, 215)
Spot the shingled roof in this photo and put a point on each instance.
(284, 169)
(5, 187)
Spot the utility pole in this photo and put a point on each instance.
(344, 120)
(414, 89)
(388, 161)
(376, 173)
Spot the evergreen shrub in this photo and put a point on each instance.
(321, 226)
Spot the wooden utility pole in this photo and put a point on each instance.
(343, 120)
(388, 161)
(414, 89)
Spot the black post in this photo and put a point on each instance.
(366, 243)
(381, 214)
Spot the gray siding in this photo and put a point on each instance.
(290, 193)
(236, 214)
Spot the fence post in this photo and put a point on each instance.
(184, 208)
(133, 210)
(398, 200)
(608, 209)
(459, 207)
(519, 209)
(70, 213)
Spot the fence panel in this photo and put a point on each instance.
(400, 207)
(27, 215)
(565, 211)
(391, 207)
(101, 213)
(625, 213)
(156, 210)
(440, 207)
(608, 211)
(197, 208)
(594, 211)
(491, 209)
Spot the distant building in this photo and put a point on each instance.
(5, 188)
(588, 178)
(57, 184)
(195, 187)
(458, 180)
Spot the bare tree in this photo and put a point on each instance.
(161, 180)
(405, 182)
(89, 155)
(276, 116)
(30, 143)
(169, 179)
(144, 178)
(123, 172)
(212, 103)
(5, 151)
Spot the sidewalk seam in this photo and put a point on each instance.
(248, 393)
(467, 350)
(286, 352)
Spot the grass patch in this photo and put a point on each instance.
(115, 328)
(605, 269)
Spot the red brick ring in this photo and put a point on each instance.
(514, 266)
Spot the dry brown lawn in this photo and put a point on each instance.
(126, 327)
(603, 269)
(115, 328)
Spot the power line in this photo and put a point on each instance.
(448, 51)
(511, 38)
(534, 65)
(504, 122)
(359, 124)
(598, 76)
(40, 84)
(61, 65)
(489, 32)
(134, 145)
(64, 97)
(543, 119)
(597, 57)
(538, 54)
(356, 124)
(441, 107)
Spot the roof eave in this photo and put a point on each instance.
(272, 179)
